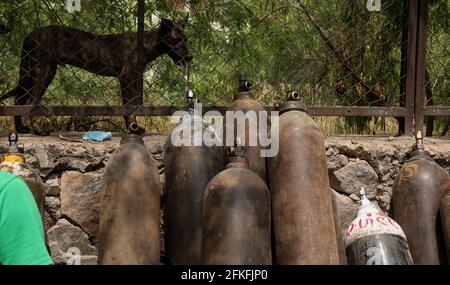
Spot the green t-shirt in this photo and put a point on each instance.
(22, 239)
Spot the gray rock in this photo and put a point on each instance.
(354, 197)
(384, 196)
(64, 237)
(350, 178)
(354, 151)
(49, 221)
(53, 206)
(80, 199)
(346, 209)
(63, 156)
(42, 156)
(386, 177)
(41, 159)
(331, 151)
(83, 159)
(336, 161)
(54, 187)
(384, 164)
(385, 201)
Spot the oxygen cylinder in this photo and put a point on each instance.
(244, 102)
(417, 191)
(14, 162)
(445, 219)
(188, 169)
(375, 239)
(302, 212)
(130, 205)
(236, 216)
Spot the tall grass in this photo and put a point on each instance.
(329, 125)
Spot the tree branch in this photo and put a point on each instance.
(336, 52)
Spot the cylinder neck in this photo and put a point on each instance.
(365, 206)
(237, 162)
(14, 146)
(291, 106)
(237, 159)
(243, 89)
(419, 151)
(419, 154)
(190, 101)
(243, 95)
(131, 138)
(292, 103)
(419, 141)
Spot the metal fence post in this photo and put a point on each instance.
(421, 65)
(140, 47)
(411, 65)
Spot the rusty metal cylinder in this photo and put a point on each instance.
(129, 230)
(302, 211)
(236, 217)
(417, 191)
(244, 102)
(444, 210)
(188, 169)
(375, 239)
(14, 162)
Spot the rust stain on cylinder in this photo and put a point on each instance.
(129, 231)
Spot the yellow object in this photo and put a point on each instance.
(14, 158)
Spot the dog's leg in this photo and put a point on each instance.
(18, 124)
(45, 74)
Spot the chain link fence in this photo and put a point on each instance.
(437, 87)
(336, 53)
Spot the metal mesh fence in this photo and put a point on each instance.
(336, 53)
(437, 87)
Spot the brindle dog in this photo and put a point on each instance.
(108, 55)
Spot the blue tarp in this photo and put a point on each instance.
(98, 136)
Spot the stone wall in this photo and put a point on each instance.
(72, 172)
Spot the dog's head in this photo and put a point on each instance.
(173, 38)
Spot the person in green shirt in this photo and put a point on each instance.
(22, 240)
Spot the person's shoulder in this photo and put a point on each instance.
(6, 178)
